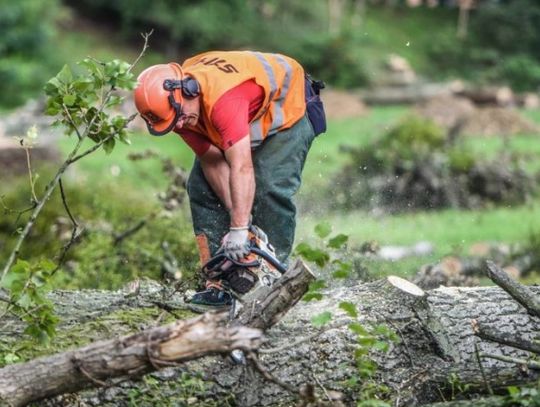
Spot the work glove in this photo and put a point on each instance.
(236, 243)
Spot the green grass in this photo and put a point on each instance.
(144, 175)
(450, 231)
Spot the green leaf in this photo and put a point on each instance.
(47, 265)
(338, 241)
(69, 99)
(343, 271)
(108, 146)
(38, 280)
(349, 308)
(340, 274)
(65, 76)
(13, 281)
(317, 285)
(317, 256)
(114, 100)
(123, 136)
(25, 301)
(358, 329)
(366, 341)
(323, 229)
(312, 296)
(20, 267)
(321, 319)
(10, 358)
(381, 345)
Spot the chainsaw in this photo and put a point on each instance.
(259, 268)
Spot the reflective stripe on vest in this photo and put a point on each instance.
(277, 104)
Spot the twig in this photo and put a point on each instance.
(30, 175)
(79, 135)
(118, 238)
(145, 36)
(90, 377)
(73, 237)
(407, 350)
(531, 364)
(299, 340)
(101, 142)
(322, 387)
(64, 202)
(506, 339)
(519, 292)
(484, 378)
(268, 376)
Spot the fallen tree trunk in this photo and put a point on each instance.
(128, 356)
(152, 349)
(437, 345)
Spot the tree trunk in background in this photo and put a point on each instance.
(463, 19)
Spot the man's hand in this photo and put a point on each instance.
(236, 243)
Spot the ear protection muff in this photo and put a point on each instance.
(188, 86)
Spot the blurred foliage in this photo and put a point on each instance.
(415, 165)
(95, 261)
(27, 28)
(183, 28)
(503, 45)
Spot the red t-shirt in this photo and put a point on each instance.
(231, 116)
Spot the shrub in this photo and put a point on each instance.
(414, 166)
(26, 55)
(103, 211)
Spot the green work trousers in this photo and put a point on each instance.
(278, 164)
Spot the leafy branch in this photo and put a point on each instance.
(80, 103)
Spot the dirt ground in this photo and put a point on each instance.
(341, 105)
(452, 111)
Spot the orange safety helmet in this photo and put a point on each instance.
(158, 97)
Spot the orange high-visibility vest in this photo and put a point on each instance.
(281, 77)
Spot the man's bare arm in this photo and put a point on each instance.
(241, 181)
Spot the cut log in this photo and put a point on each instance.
(271, 303)
(396, 95)
(490, 96)
(437, 342)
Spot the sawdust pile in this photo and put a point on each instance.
(341, 105)
(458, 113)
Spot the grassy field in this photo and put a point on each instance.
(449, 231)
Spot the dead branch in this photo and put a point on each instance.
(507, 339)
(519, 292)
(531, 364)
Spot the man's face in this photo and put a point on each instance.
(190, 113)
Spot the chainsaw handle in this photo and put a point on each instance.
(274, 262)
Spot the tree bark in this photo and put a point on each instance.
(156, 348)
(437, 345)
(128, 356)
